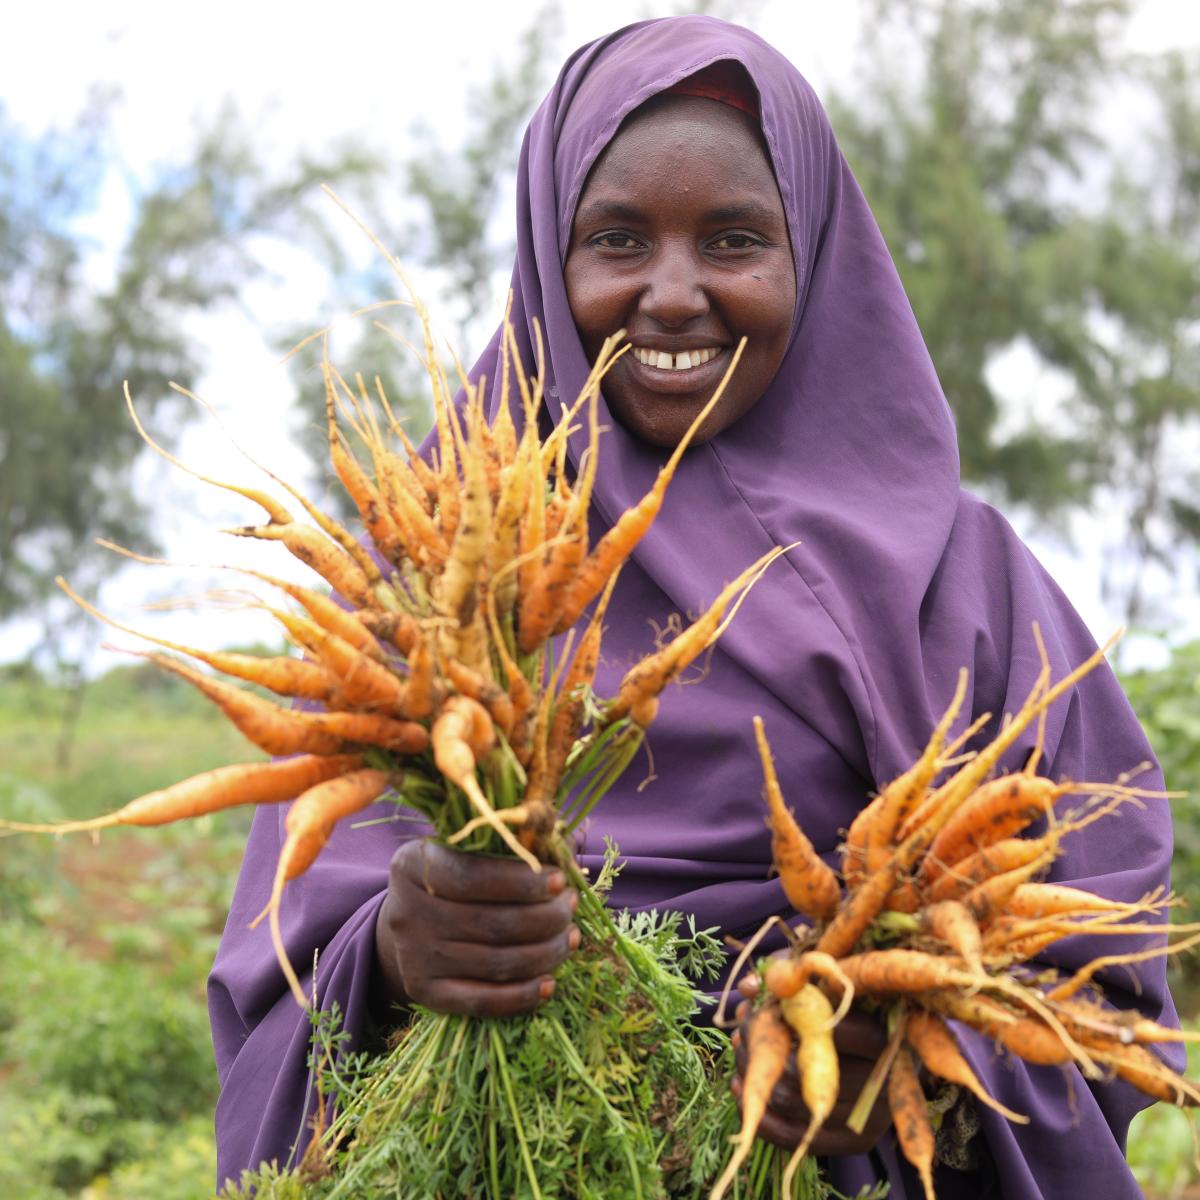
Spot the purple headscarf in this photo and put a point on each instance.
(849, 649)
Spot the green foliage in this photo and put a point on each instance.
(608, 1089)
(105, 1055)
(1167, 702)
(974, 131)
(1161, 1144)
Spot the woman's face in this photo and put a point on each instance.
(680, 239)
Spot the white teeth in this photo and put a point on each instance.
(683, 361)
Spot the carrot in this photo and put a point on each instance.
(996, 810)
(310, 819)
(810, 1015)
(327, 613)
(910, 1116)
(542, 603)
(997, 859)
(952, 923)
(276, 730)
(992, 896)
(212, 791)
(1150, 1075)
(455, 759)
(569, 701)
(768, 1042)
(456, 593)
(646, 679)
(284, 676)
(618, 543)
(307, 544)
(935, 1046)
(376, 516)
(470, 683)
(364, 682)
(901, 796)
(398, 628)
(1027, 1037)
(928, 823)
(1047, 899)
(858, 910)
(809, 883)
(902, 971)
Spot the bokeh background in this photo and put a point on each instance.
(1034, 166)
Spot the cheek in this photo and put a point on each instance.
(597, 301)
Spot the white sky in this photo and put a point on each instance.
(307, 73)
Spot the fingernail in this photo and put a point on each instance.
(574, 901)
(546, 990)
(556, 883)
(573, 938)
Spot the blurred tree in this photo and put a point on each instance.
(966, 149)
(67, 343)
(975, 133)
(463, 233)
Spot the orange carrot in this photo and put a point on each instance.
(981, 866)
(470, 683)
(455, 759)
(646, 679)
(364, 682)
(284, 676)
(329, 561)
(930, 1036)
(952, 923)
(809, 883)
(768, 1042)
(910, 1116)
(309, 821)
(400, 629)
(994, 811)
(1051, 899)
(992, 896)
(618, 543)
(212, 791)
(902, 795)
(903, 971)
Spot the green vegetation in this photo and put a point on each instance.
(105, 1057)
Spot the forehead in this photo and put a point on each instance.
(675, 143)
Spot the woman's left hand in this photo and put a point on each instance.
(859, 1039)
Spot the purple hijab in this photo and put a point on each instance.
(849, 649)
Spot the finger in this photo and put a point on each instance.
(471, 998)
(476, 878)
(489, 924)
(499, 964)
(749, 985)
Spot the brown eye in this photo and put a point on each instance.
(736, 241)
(615, 241)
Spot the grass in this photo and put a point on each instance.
(106, 1076)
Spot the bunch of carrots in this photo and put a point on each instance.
(941, 914)
(437, 674)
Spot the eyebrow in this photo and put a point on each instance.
(728, 214)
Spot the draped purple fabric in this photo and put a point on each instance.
(849, 648)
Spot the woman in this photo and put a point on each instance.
(682, 182)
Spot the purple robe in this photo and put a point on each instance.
(849, 648)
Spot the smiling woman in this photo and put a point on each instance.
(701, 260)
(682, 182)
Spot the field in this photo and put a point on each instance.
(106, 1076)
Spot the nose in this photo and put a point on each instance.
(674, 293)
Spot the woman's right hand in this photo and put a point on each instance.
(472, 934)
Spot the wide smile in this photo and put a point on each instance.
(683, 372)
